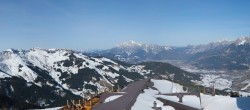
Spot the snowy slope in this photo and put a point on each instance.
(54, 75)
(16, 63)
(4, 75)
(13, 65)
(63, 72)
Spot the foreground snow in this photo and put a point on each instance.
(165, 86)
(192, 101)
(218, 102)
(145, 100)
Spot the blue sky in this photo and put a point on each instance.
(101, 24)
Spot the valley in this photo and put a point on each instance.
(229, 80)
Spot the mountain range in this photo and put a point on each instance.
(49, 77)
(221, 55)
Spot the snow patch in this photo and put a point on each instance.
(244, 94)
(145, 101)
(3, 75)
(165, 86)
(111, 98)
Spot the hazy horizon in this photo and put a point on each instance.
(102, 24)
(90, 49)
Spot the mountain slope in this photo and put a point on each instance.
(50, 77)
(174, 73)
(231, 56)
(7, 102)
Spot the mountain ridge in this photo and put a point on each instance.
(198, 55)
(49, 77)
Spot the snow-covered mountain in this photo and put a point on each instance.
(242, 41)
(49, 77)
(134, 52)
(224, 54)
(194, 49)
(230, 55)
(131, 47)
